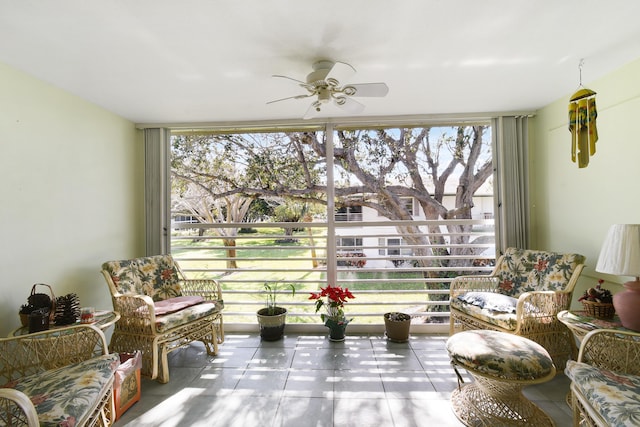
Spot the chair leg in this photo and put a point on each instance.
(220, 331)
(163, 371)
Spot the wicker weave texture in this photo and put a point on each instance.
(136, 328)
(41, 351)
(496, 403)
(617, 351)
(536, 314)
(599, 310)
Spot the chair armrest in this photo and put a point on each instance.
(537, 304)
(615, 350)
(13, 402)
(54, 348)
(137, 312)
(208, 289)
(463, 284)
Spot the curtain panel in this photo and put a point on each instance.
(511, 174)
(157, 192)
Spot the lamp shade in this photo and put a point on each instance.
(620, 254)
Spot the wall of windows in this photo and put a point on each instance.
(392, 212)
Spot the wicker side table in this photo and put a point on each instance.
(580, 323)
(501, 365)
(103, 319)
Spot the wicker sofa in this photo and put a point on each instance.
(605, 380)
(523, 296)
(62, 376)
(160, 310)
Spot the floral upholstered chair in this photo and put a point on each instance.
(605, 381)
(523, 296)
(160, 310)
(59, 377)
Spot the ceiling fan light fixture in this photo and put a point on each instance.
(324, 83)
(324, 95)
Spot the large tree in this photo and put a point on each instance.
(204, 199)
(374, 168)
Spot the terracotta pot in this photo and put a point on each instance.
(397, 330)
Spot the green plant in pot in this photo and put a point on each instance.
(272, 317)
(25, 311)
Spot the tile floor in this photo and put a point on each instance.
(306, 380)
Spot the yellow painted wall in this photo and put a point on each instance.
(573, 208)
(71, 193)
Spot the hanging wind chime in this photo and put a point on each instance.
(582, 123)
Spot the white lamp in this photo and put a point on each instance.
(620, 255)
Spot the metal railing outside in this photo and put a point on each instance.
(383, 276)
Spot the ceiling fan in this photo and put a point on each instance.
(325, 83)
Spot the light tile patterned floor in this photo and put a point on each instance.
(306, 380)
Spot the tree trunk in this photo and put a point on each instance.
(230, 244)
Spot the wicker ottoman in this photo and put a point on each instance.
(501, 364)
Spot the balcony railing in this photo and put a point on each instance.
(386, 273)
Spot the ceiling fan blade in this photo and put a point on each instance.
(290, 78)
(313, 110)
(349, 105)
(340, 72)
(367, 89)
(290, 97)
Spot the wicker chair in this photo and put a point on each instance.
(522, 296)
(605, 381)
(161, 311)
(58, 376)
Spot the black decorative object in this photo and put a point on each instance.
(67, 309)
(40, 303)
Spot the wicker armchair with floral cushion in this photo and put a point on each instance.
(605, 381)
(160, 310)
(523, 296)
(61, 376)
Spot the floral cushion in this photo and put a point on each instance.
(171, 305)
(524, 270)
(125, 276)
(154, 276)
(491, 301)
(500, 355)
(615, 397)
(187, 315)
(501, 319)
(67, 396)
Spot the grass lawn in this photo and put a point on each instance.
(264, 257)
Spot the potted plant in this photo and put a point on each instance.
(334, 319)
(272, 318)
(25, 311)
(397, 326)
(598, 302)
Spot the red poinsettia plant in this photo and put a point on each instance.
(333, 299)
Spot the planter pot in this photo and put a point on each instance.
(397, 326)
(272, 325)
(337, 329)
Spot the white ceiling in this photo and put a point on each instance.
(170, 61)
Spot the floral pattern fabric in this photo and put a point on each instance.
(154, 276)
(506, 321)
(66, 396)
(500, 355)
(525, 270)
(616, 397)
(187, 315)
